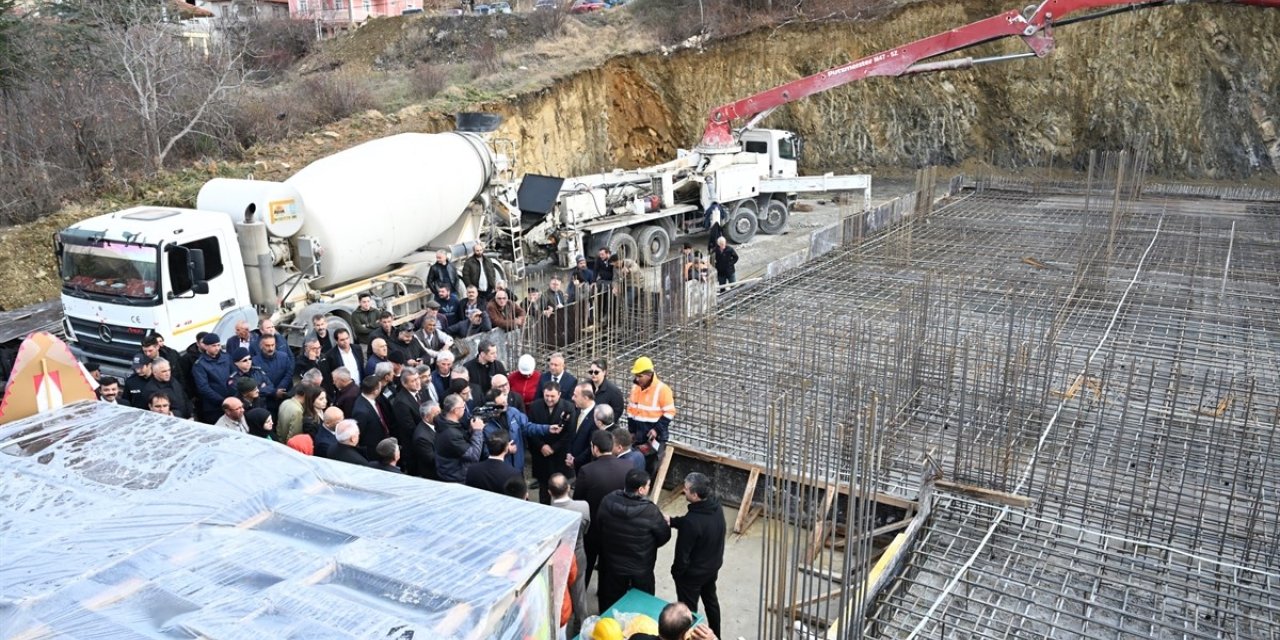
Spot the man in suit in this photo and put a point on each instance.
(343, 354)
(556, 373)
(368, 414)
(584, 404)
(558, 487)
(604, 475)
(406, 415)
(424, 441)
(492, 474)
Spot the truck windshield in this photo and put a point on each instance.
(111, 269)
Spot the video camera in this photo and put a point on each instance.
(488, 411)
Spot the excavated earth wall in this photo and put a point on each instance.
(1198, 87)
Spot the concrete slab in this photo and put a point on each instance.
(810, 230)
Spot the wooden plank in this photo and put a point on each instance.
(875, 533)
(795, 608)
(818, 541)
(756, 512)
(988, 495)
(744, 508)
(668, 452)
(843, 489)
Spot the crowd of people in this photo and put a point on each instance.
(400, 399)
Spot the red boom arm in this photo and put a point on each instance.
(1036, 28)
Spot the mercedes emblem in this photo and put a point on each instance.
(104, 332)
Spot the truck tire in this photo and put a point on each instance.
(742, 224)
(621, 242)
(653, 244)
(774, 218)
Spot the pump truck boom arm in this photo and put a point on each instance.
(1034, 26)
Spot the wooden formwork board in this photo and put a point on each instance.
(748, 514)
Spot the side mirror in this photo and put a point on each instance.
(200, 286)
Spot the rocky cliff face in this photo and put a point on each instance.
(1198, 87)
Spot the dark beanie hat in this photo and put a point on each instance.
(245, 384)
(210, 339)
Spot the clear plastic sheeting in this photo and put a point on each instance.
(116, 523)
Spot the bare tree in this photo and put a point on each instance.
(172, 86)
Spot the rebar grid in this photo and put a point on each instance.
(1043, 577)
(1114, 359)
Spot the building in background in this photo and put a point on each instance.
(345, 14)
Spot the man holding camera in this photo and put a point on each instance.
(498, 416)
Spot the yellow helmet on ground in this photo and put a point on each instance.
(641, 624)
(643, 364)
(607, 629)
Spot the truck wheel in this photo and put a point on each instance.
(654, 243)
(774, 218)
(622, 243)
(742, 224)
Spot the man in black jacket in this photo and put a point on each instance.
(162, 380)
(631, 528)
(457, 447)
(699, 548)
(548, 452)
(596, 480)
(726, 260)
(348, 447)
(480, 271)
(442, 273)
(485, 366)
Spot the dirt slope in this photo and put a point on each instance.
(1197, 86)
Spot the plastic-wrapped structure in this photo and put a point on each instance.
(116, 523)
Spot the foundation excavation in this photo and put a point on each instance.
(1033, 409)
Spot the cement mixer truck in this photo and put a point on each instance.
(364, 219)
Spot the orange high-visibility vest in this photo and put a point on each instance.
(650, 405)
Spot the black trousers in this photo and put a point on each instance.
(610, 586)
(592, 549)
(689, 590)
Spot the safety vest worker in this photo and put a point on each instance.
(651, 408)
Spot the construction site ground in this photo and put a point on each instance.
(1089, 367)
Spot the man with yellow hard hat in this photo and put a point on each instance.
(650, 411)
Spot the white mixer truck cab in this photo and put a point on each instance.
(147, 269)
(365, 219)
